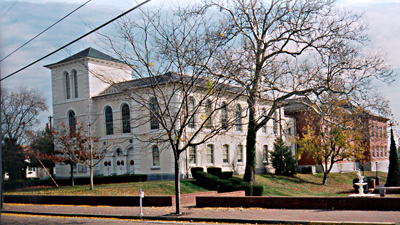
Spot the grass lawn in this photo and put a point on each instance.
(298, 185)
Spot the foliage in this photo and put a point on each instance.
(282, 159)
(214, 170)
(13, 159)
(195, 170)
(334, 137)
(19, 112)
(393, 178)
(280, 50)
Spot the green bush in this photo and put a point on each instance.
(236, 180)
(258, 190)
(194, 170)
(247, 188)
(226, 175)
(214, 170)
(227, 188)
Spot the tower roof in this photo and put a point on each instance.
(89, 52)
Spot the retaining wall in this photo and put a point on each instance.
(343, 203)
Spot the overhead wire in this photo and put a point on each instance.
(45, 30)
(77, 39)
(9, 9)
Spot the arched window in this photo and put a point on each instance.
(71, 121)
(192, 113)
(154, 114)
(209, 121)
(264, 114)
(67, 85)
(126, 119)
(156, 156)
(109, 121)
(238, 121)
(75, 78)
(224, 116)
(118, 152)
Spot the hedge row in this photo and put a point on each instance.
(10, 185)
(224, 182)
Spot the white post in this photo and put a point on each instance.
(141, 196)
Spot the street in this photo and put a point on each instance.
(15, 219)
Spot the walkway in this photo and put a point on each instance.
(190, 213)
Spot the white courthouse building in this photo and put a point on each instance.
(78, 94)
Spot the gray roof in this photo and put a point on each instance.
(170, 77)
(89, 52)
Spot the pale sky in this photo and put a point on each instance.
(27, 18)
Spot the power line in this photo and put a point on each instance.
(45, 29)
(90, 32)
(9, 9)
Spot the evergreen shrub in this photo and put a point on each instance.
(226, 175)
(194, 170)
(214, 170)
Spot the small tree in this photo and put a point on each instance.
(13, 159)
(282, 159)
(69, 144)
(42, 148)
(334, 137)
(393, 178)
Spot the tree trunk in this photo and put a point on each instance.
(72, 174)
(177, 186)
(91, 168)
(91, 178)
(249, 175)
(324, 180)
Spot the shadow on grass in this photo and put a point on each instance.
(287, 179)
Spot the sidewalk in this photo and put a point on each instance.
(231, 215)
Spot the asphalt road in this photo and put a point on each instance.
(17, 219)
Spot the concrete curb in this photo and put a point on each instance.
(192, 219)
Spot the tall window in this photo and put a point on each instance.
(71, 121)
(264, 114)
(265, 153)
(156, 156)
(238, 120)
(126, 119)
(224, 116)
(380, 132)
(209, 121)
(192, 114)
(240, 153)
(385, 151)
(225, 154)
(109, 121)
(75, 78)
(210, 154)
(154, 114)
(192, 154)
(275, 123)
(382, 151)
(67, 85)
(373, 151)
(376, 131)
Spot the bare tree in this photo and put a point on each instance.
(271, 43)
(180, 111)
(19, 112)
